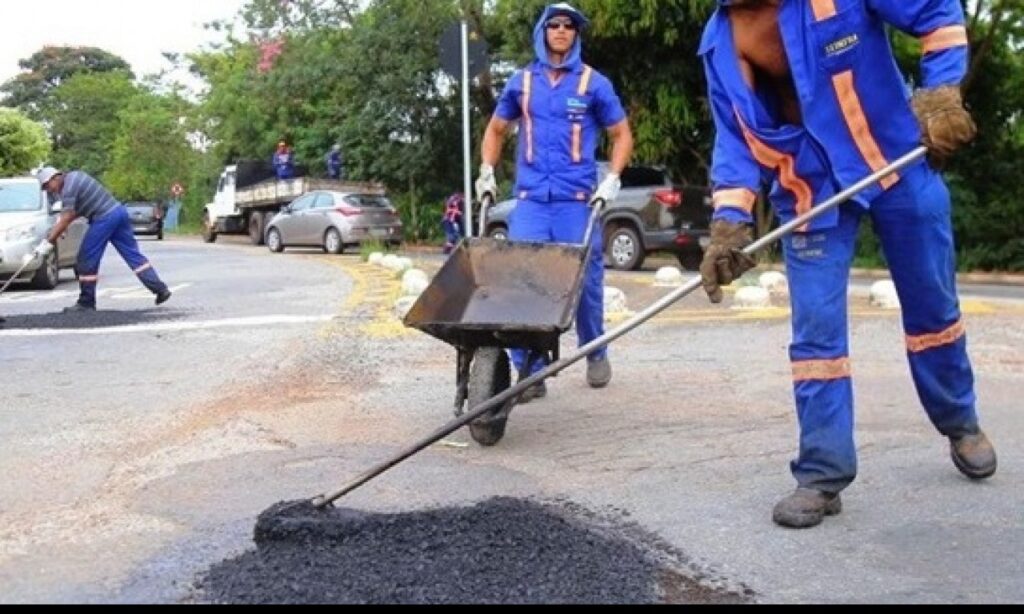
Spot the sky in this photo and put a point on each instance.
(137, 30)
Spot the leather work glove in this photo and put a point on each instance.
(945, 123)
(486, 184)
(608, 191)
(44, 249)
(724, 262)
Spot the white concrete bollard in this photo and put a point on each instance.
(752, 297)
(669, 276)
(615, 301)
(389, 262)
(776, 284)
(883, 295)
(375, 258)
(414, 282)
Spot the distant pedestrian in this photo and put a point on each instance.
(109, 222)
(452, 221)
(284, 161)
(335, 164)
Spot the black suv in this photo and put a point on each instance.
(651, 214)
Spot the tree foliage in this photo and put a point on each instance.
(23, 143)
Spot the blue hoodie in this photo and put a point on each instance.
(559, 125)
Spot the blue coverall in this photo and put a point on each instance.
(559, 129)
(856, 119)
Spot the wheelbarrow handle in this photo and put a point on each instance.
(597, 207)
(485, 205)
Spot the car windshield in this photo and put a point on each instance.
(368, 201)
(19, 197)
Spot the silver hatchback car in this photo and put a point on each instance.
(26, 217)
(334, 221)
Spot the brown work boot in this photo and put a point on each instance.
(974, 456)
(806, 508)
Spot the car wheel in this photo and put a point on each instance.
(256, 223)
(274, 241)
(498, 233)
(691, 259)
(623, 248)
(47, 276)
(209, 234)
(489, 376)
(333, 243)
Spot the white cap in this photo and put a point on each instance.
(46, 173)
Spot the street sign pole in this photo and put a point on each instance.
(467, 154)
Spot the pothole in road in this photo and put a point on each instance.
(499, 551)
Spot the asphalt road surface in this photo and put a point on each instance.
(139, 449)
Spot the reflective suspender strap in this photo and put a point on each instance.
(527, 118)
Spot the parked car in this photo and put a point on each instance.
(651, 214)
(26, 218)
(147, 219)
(334, 221)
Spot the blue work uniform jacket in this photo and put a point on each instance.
(855, 103)
(559, 125)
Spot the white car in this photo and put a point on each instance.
(26, 218)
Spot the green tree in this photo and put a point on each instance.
(84, 119)
(23, 143)
(151, 150)
(48, 68)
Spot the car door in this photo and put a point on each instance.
(292, 227)
(320, 216)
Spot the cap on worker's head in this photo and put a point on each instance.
(337, 148)
(45, 174)
(564, 8)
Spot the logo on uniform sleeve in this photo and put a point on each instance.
(842, 45)
(576, 108)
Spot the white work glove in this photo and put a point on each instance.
(486, 184)
(44, 249)
(608, 191)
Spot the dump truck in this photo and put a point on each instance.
(249, 195)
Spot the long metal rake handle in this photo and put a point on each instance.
(24, 265)
(637, 320)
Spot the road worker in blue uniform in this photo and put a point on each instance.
(562, 106)
(109, 223)
(807, 98)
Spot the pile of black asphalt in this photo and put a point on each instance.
(86, 320)
(501, 551)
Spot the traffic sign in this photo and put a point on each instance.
(451, 52)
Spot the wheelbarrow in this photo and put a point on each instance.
(495, 295)
(476, 333)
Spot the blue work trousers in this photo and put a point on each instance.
(565, 222)
(114, 228)
(912, 221)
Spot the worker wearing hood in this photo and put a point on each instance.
(561, 106)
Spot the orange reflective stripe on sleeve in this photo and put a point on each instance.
(823, 9)
(857, 122)
(739, 197)
(944, 38)
(923, 343)
(822, 370)
(527, 118)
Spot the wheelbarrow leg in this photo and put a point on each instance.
(465, 362)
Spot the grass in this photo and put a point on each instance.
(371, 247)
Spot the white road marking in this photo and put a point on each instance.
(169, 327)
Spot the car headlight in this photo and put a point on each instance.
(20, 233)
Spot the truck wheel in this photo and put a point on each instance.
(48, 275)
(256, 228)
(498, 233)
(274, 241)
(209, 232)
(489, 376)
(624, 250)
(333, 243)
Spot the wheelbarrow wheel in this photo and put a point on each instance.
(489, 376)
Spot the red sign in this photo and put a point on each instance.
(177, 190)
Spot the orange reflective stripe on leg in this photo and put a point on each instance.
(822, 370)
(923, 343)
(88, 279)
(142, 269)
